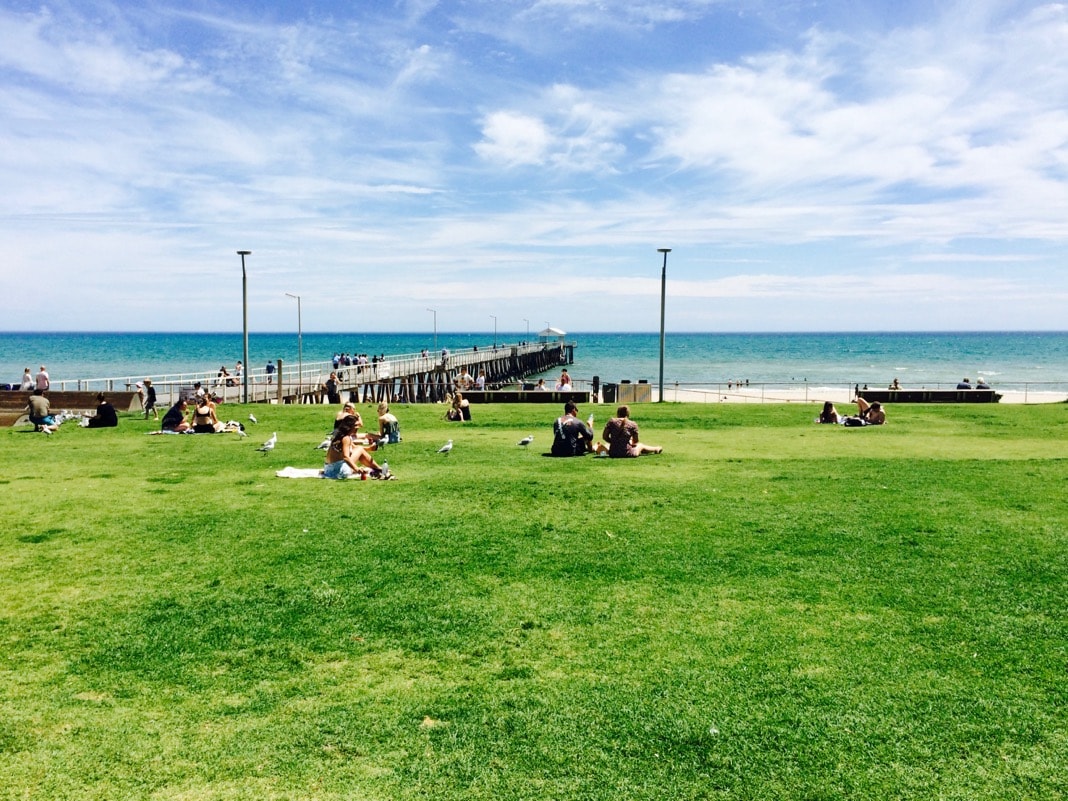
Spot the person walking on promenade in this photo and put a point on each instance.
(150, 400)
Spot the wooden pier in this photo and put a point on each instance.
(405, 378)
(429, 379)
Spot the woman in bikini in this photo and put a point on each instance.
(344, 458)
(205, 420)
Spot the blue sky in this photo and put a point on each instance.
(812, 165)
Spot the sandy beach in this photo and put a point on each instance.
(840, 396)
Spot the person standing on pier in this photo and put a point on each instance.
(333, 394)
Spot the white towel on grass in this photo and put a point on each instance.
(299, 472)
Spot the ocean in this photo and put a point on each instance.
(1008, 360)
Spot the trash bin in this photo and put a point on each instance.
(608, 392)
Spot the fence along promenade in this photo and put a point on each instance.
(406, 378)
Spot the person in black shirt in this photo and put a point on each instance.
(571, 437)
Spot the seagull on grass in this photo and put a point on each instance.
(269, 444)
(526, 440)
(322, 446)
(252, 417)
(446, 447)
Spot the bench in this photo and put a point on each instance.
(525, 396)
(930, 395)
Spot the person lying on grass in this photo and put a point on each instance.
(868, 414)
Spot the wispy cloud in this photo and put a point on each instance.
(484, 154)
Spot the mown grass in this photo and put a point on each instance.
(770, 609)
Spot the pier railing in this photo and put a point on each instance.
(303, 383)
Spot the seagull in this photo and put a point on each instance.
(252, 417)
(241, 432)
(526, 440)
(269, 444)
(446, 447)
(322, 446)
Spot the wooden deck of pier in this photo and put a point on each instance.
(406, 378)
(429, 379)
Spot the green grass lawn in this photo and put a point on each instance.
(770, 609)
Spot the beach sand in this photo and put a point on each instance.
(841, 397)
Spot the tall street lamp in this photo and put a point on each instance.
(494, 316)
(663, 291)
(435, 312)
(244, 323)
(300, 348)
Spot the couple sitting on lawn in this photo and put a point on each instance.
(572, 437)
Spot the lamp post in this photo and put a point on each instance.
(244, 324)
(663, 292)
(435, 312)
(494, 316)
(300, 348)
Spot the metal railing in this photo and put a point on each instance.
(302, 380)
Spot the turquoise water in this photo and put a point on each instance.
(1009, 360)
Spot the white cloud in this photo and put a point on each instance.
(514, 139)
(431, 156)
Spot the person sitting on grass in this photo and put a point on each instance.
(621, 434)
(460, 409)
(571, 437)
(105, 417)
(39, 411)
(829, 414)
(344, 458)
(348, 409)
(205, 420)
(388, 426)
(174, 420)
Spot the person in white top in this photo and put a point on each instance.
(27, 381)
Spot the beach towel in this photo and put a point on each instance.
(299, 472)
